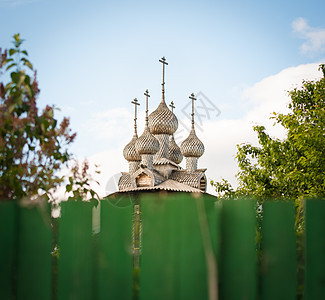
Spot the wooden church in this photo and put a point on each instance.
(154, 157)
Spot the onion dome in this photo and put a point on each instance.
(192, 146)
(162, 120)
(175, 154)
(129, 151)
(147, 143)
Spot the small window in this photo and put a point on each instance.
(203, 184)
(143, 180)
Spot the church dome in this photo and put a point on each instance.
(192, 146)
(175, 154)
(162, 120)
(129, 151)
(147, 143)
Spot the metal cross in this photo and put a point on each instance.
(135, 102)
(163, 61)
(192, 98)
(147, 96)
(172, 106)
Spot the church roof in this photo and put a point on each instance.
(168, 185)
(165, 161)
(189, 178)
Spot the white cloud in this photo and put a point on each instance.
(271, 94)
(220, 137)
(119, 119)
(267, 96)
(314, 37)
(111, 164)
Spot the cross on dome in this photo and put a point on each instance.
(193, 99)
(172, 106)
(147, 144)
(135, 102)
(163, 61)
(192, 146)
(162, 120)
(129, 151)
(146, 93)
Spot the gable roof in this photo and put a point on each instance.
(165, 161)
(189, 178)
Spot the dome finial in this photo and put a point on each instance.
(163, 61)
(192, 98)
(147, 144)
(147, 96)
(135, 102)
(172, 106)
(192, 146)
(129, 151)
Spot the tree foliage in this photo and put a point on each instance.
(292, 168)
(79, 186)
(33, 144)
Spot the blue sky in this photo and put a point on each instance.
(94, 57)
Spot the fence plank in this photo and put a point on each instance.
(8, 230)
(34, 253)
(115, 251)
(174, 262)
(76, 252)
(315, 249)
(279, 258)
(160, 259)
(238, 270)
(198, 248)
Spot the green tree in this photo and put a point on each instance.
(34, 146)
(292, 168)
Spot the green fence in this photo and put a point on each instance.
(191, 248)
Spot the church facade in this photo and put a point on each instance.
(154, 157)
